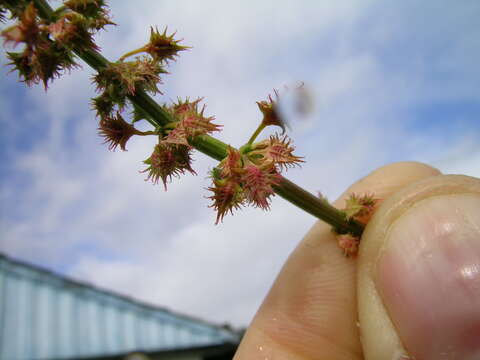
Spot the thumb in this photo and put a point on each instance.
(419, 273)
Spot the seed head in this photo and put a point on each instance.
(181, 107)
(349, 244)
(103, 105)
(190, 122)
(195, 123)
(271, 114)
(95, 11)
(127, 76)
(276, 150)
(232, 165)
(360, 208)
(227, 196)
(257, 184)
(72, 30)
(116, 131)
(42, 59)
(166, 161)
(44, 64)
(27, 30)
(163, 47)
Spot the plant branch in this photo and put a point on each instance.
(218, 149)
(256, 133)
(131, 53)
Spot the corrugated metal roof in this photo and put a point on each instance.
(46, 316)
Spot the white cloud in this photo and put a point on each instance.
(206, 270)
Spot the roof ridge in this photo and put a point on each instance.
(112, 293)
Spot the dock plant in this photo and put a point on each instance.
(46, 43)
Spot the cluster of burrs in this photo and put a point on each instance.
(248, 176)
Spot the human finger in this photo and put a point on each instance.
(419, 273)
(311, 309)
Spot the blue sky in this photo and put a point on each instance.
(391, 81)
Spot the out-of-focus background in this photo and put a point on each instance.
(389, 81)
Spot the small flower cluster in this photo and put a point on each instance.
(172, 155)
(190, 122)
(48, 46)
(167, 161)
(276, 151)
(248, 177)
(94, 11)
(120, 80)
(271, 114)
(116, 131)
(161, 47)
(361, 209)
(244, 177)
(48, 51)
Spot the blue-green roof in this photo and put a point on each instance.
(47, 316)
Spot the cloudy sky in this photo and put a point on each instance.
(390, 81)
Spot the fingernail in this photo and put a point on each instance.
(428, 276)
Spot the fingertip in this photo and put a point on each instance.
(407, 168)
(313, 300)
(380, 337)
(390, 178)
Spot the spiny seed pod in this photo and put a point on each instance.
(271, 113)
(116, 131)
(257, 184)
(163, 47)
(232, 165)
(127, 76)
(181, 107)
(195, 123)
(103, 105)
(275, 150)
(349, 244)
(89, 8)
(21, 63)
(42, 59)
(191, 122)
(167, 161)
(26, 30)
(360, 208)
(72, 30)
(95, 11)
(44, 64)
(227, 196)
(51, 60)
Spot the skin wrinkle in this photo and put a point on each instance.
(326, 341)
(303, 314)
(279, 338)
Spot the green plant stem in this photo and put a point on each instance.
(318, 208)
(256, 133)
(133, 52)
(218, 149)
(145, 133)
